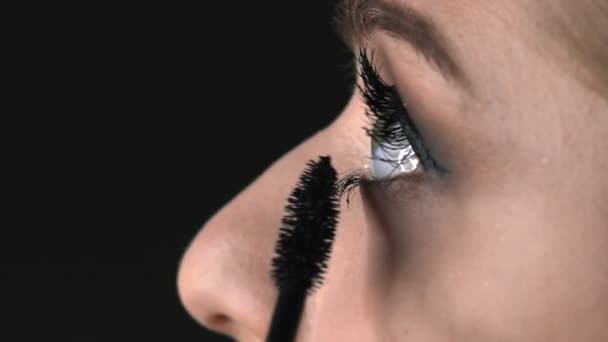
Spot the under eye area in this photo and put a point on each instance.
(396, 145)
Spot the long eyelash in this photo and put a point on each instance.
(383, 105)
(391, 123)
(349, 183)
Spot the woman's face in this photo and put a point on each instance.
(509, 244)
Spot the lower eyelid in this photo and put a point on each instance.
(402, 188)
(404, 185)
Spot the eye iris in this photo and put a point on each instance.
(390, 159)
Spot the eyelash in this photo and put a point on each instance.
(390, 121)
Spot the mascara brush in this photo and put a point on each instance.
(304, 245)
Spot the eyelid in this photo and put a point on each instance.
(351, 181)
(390, 116)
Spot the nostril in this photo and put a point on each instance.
(222, 324)
(218, 321)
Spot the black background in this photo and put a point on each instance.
(131, 127)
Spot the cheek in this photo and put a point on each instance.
(341, 309)
(503, 272)
(528, 248)
(517, 265)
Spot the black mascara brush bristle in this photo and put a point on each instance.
(308, 228)
(304, 246)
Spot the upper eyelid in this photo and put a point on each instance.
(366, 61)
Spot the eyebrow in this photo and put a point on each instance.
(356, 19)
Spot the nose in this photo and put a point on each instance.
(224, 278)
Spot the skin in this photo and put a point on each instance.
(511, 244)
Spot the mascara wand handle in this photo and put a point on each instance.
(287, 313)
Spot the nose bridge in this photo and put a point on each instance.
(224, 278)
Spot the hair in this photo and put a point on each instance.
(580, 29)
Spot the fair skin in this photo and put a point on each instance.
(510, 245)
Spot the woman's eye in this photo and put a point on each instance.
(396, 145)
(390, 159)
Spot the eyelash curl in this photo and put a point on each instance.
(390, 123)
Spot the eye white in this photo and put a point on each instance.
(389, 160)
